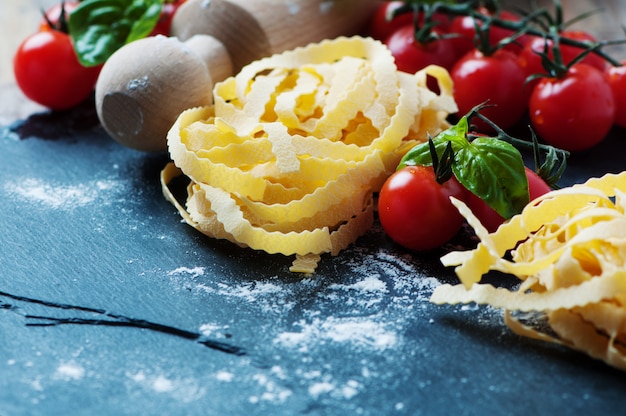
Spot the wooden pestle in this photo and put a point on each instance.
(146, 84)
(266, 27)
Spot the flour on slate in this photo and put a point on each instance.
(70, 371)
(185, 390)
(61, 196)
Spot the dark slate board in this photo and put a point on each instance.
(110, 305)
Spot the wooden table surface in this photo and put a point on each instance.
(18, 19)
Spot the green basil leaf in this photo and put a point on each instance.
(420, 155)
(490, 168)
(494, 171)
(100, 27)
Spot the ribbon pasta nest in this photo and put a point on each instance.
(568, 248)
(288, 157)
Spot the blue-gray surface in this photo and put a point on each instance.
(109, 305)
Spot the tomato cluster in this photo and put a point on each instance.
(416, 212)
(47, 68)
(572, 109)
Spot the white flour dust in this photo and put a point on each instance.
(69, 371)
(269, 295)
(361, 311)
(225, 376)
(192, 272)
(62, 197)
(185, 390)
(272, 391)
(366, 311)
(360, 331)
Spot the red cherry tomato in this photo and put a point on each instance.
(48, 72)
(570, 52)
(465, 28)
(489, 217)
(497, 79)
(411, 56)
(415, 210)
(574, 112)
(52, 17)
(381, 26)
(168, 11)
(530, 60)
(616, 76)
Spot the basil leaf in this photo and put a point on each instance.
(420, 155)
(494, 171)
(100, 27)
(490, 168)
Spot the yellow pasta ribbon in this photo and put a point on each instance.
(289, 156)
(568, 248)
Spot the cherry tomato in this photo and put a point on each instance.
(570, 52)
(498, 79)
(415, 210)
(616, 76)
(52, 19)
(489, 217)
(48, 72)
(464, 27)
(411, 56)
(530, 60)
(381, 27)
(168, 11)
(574, 112)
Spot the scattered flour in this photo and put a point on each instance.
(162, 385)
(209, 329)
(36, 384)
(317, 389)
(271, 391)
(351, 389)
(270, 296)
(368, 284)
(346, 390)
(185, 390)
(366, 312)
(185, 278)
(225, 376)
(69, 371)
(360, 331)
(400, 271)
(191, 272)
(63, 197)
(252, 291)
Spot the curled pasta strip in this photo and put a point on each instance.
(568, 248)
(289, 156)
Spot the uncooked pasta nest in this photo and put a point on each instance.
(568, 248)
(288, 157)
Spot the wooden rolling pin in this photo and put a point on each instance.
(146, 84)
